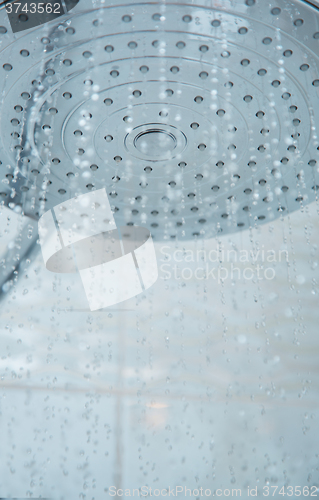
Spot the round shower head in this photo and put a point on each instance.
(198, 118)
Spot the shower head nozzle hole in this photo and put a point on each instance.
(248, 98)
(198, 99)
(132, 45)
(304, 67)
(108, 101)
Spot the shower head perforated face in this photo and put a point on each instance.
(197, 119)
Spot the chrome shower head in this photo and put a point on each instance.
(197, 118)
